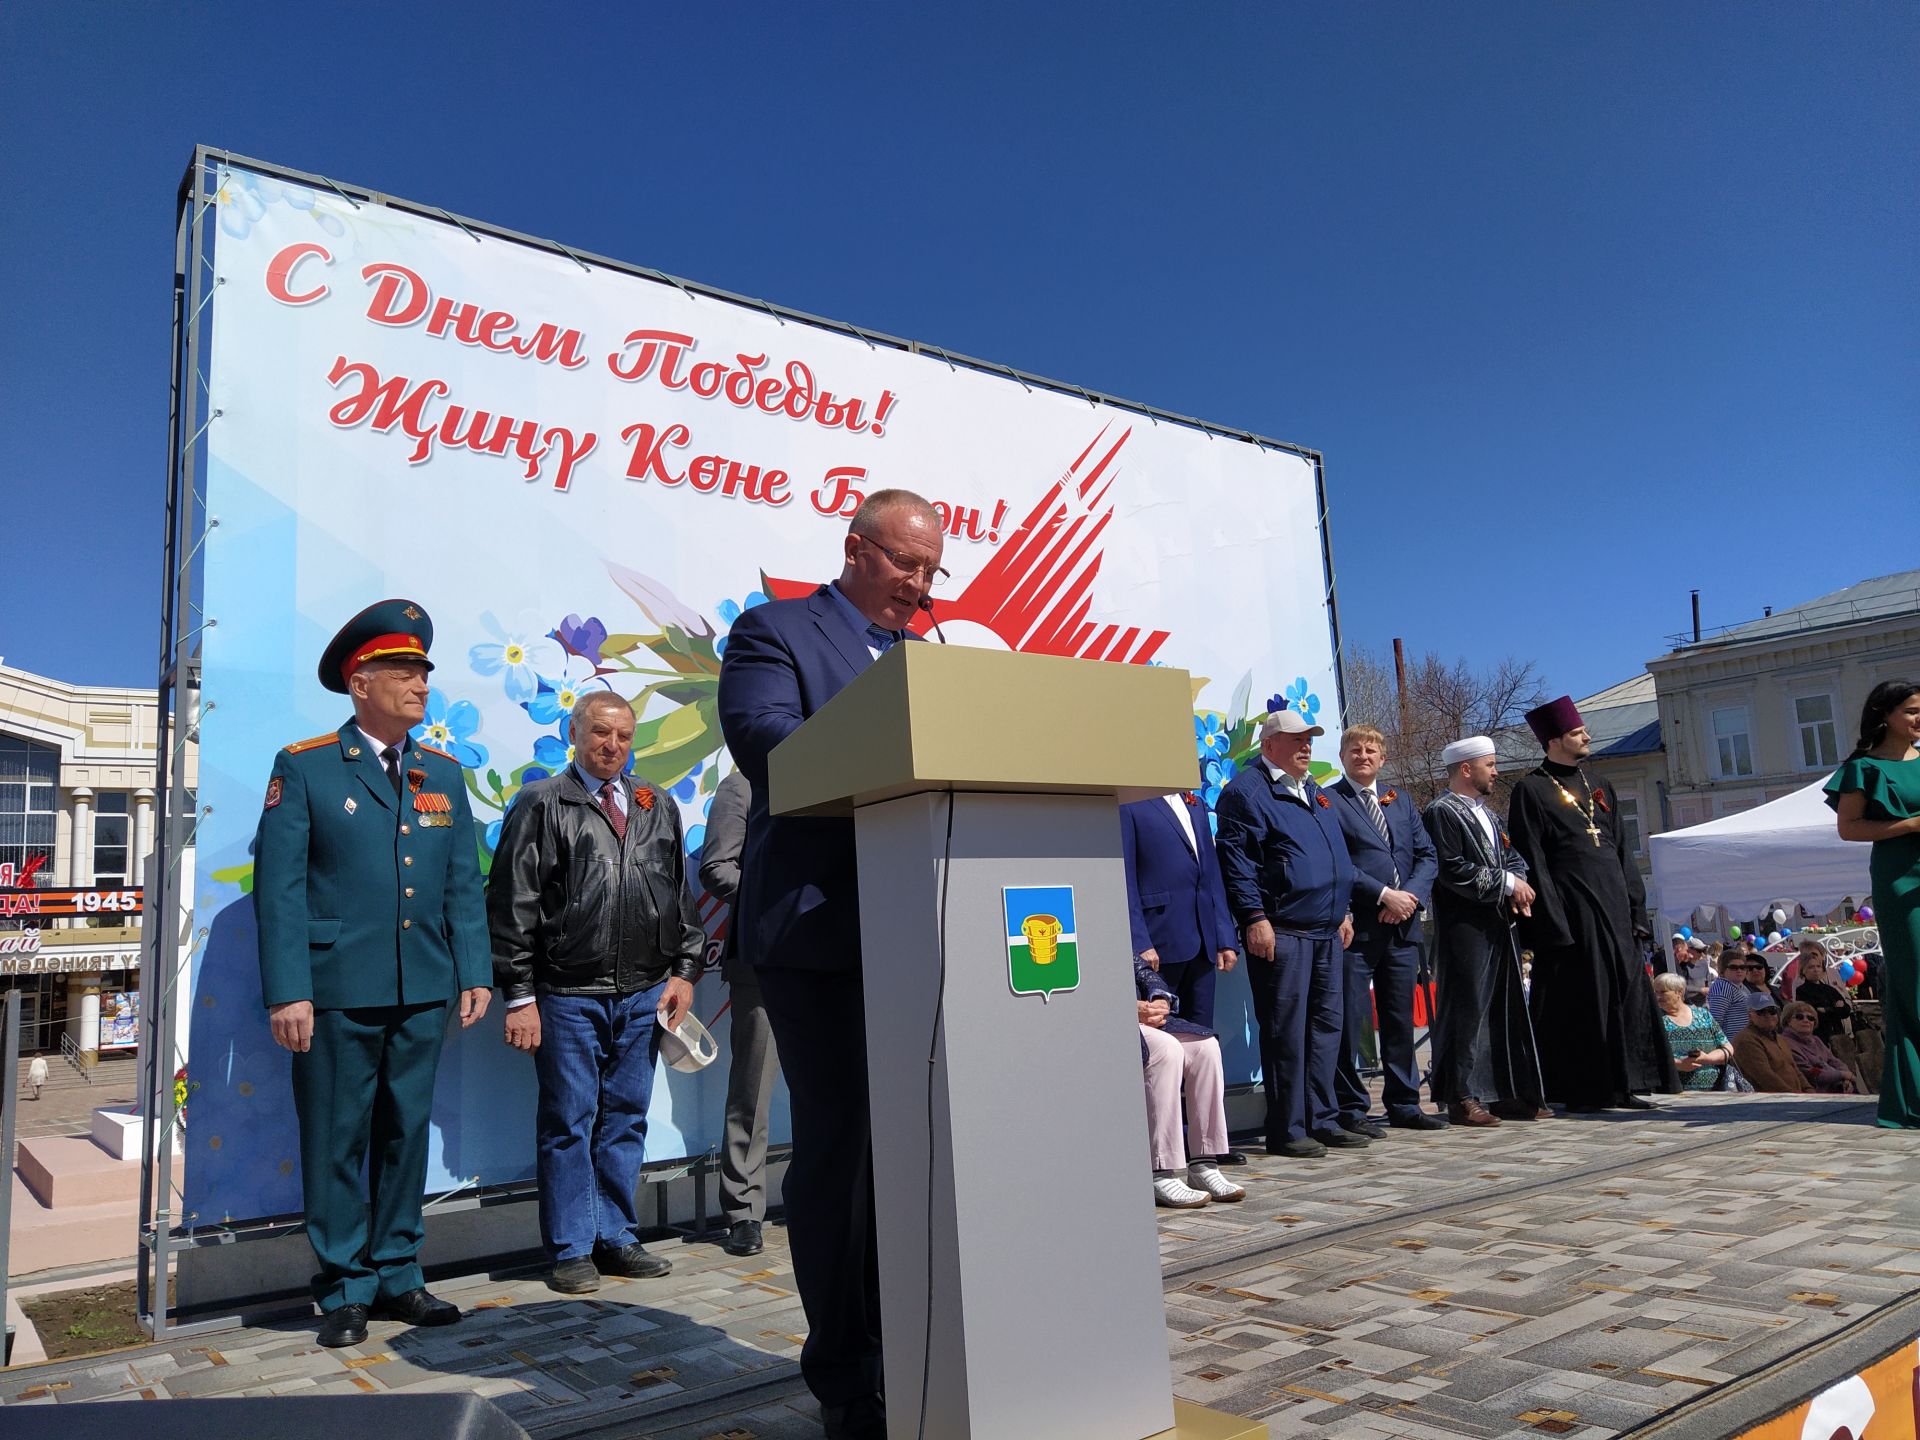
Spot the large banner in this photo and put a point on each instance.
(585, 475)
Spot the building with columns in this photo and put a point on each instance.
(78, 767)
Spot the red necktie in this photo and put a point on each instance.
(611, 806)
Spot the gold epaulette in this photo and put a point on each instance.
(431, 750)
(332, 737)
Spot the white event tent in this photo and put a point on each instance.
(1787, 847)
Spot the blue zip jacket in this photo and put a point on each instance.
(1282, 861)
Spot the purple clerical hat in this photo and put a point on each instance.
(1554, 719)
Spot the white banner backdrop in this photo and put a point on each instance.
(584, 475)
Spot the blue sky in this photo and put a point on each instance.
(1585, 304)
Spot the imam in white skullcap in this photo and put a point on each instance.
(1471, 748)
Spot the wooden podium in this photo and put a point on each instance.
(1019, 1259)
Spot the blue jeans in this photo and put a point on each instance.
(595, 1065)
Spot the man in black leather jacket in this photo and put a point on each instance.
(596, 943)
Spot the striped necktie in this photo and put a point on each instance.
(1379, 818)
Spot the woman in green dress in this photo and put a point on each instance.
(1876, 794)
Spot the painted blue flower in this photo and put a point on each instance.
(553, 752)
(1214, 778)
(451, 728)
(688, 787)
(583, 637)
(730, 611)
(1209, 738)
(1296, 697)
(520, 656)
(559, 692)
(238, 197)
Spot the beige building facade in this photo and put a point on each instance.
(1766, 708)
(78, 771)
(1735, 719)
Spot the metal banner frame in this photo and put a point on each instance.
(172, 937)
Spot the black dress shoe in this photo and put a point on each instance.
(631, 1261)
(1232, 1157)
(1301, 1149)
(1417, 1120)
(743, 1238)
(1635, 1102)
(1340, 1139)
(1366, 1128)
(416, 1307)
(574, 1277)
(862, 1419)
(345, 1326)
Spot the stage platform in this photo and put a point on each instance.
(1680, 1274)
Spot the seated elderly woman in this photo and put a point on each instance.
(1179, 1054)
(1821, 1067)
(1700, 1051)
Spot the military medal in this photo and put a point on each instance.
(434, 810)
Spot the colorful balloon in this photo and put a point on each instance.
(1866, 914)
(1733, 932)
(1773, 937)
(1847, 972)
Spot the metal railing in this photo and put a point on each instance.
(76, 1057)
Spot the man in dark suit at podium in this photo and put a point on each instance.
(1394, 868)
(798, 912)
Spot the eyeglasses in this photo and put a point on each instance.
(931, 573)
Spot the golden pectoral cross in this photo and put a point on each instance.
(1594, 831)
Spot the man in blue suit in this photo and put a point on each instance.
(798, 917)
(373, 928)
(1394, 867)
(1176, 902)
(1177, 905)
(1288, 879)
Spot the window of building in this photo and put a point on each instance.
(1630, 820)
(29, 777)
(111, 825)
(1819, 738)
(1733, 740)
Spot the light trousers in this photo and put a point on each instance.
(1190, 1063)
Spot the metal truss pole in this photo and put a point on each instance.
(169, 951)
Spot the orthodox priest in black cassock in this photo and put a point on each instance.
(1483, 1045)
(1600, 1036)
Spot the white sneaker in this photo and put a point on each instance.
(1208, 1178)
(1174, 1193)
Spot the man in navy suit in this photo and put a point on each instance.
(798, 915)
(1288, 879)
(1177, 905)
(1175, 899)
(1394, 867)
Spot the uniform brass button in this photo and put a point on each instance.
(409, 892)
(406, 924)
(406, 830)
(406, 859)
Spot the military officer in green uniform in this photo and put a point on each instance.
(372, 925)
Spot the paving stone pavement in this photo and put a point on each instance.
(1574, 1277)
